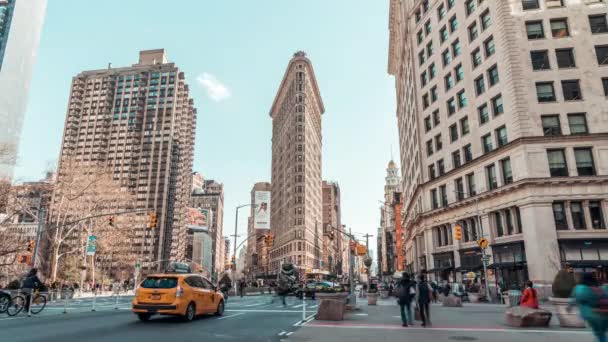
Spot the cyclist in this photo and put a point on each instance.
(29, 283)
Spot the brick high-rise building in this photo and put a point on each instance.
(256, 262)
(210, 198)
(502, 123)
(296, 205)
(140, 122)
(332, 219)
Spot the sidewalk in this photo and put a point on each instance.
(472, 322)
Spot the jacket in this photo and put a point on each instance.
(529, 298)
(403, 292)
(589, 301)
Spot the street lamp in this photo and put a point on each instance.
(483, 250)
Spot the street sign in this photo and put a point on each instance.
(483, 243)
(91, 245)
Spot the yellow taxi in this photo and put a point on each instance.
(181, 294)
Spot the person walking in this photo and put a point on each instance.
(405, 292)
(30, 283)
(530, 297)
(593, 302)
(423, 294)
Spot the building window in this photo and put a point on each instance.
(473, 32)
(433, 94)
(458, 184)
(486, 142)
(453, 24)
(420, 36)
(557, 163)
(443, 34)
(491, 175)
(436, 118)
(453, 133)
(497, 106)
(438, 143)
(451, 104)
(423, 78)
(499, 227)
(459, 71)
(559, 28)
(484, 115)
(551, 125)
(572, 90)
(530, 4)
(540, 60)
(456, 48)
(468, 153)
(432, 171)
(598, 23)
(427, 27)
(601, 52)
(605, 85)
(432, 71)
(486, 20)
(476, 58)
(446, 57)
(577, 123)
(559, 215)
(480, 86)
(501, 136)
(565, 58)
(470, 6)
(584, 161)
(434, 203)
(507, 172)
(578, 217)
(534, 29)
(429, 49)
(471, 184)
(429, 147)
(427, 124)
(462, 99)
(441, 167)
(425, 101)
(489, 47)
(597, 218)
(421, 57)
(493, 75)
(440, 12)
(456, 162)
(464, 126)
(451, 3)
(444, 196)
(545, 92)
(449, 82)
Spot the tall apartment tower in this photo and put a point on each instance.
(20, 28)
(140, 122)
(332, 219)
(210, 199)
(502, 121)
(387, 239)
(257, 259)
(296, 205)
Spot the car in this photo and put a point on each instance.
(178, 294)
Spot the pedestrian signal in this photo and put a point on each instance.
(30, 246)
(457, 232)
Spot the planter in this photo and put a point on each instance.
(384, 294)
(568, 313)
(332, 296)
(372, 298)
(473, 297)
(331, 306)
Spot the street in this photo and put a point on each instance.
(256, 318)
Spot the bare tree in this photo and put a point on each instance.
(81, 193)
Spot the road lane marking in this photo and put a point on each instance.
(289, 333)
(261, 310)
(299, 306)
(306, 320)
(254, 304)
(237, 314)
(361, 314)
(282, 333)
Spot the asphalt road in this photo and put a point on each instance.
(249, 319)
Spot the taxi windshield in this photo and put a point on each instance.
(159, 283)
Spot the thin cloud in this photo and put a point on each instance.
(215, 89)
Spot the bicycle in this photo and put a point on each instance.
(19, 302)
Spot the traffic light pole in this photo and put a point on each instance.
(35, 251)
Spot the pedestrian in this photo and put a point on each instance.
(405, 292)
(423, 294)
(530, 297)
(29, 283)
(242, 286)
(593, 302)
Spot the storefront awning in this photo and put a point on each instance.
(469, 269)
(441, 269)
(507, 264)
(586, 263)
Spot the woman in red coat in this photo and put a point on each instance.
(530, 298)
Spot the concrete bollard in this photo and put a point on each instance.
(65, 303)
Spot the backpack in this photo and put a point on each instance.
(424, 294)
(602, 300)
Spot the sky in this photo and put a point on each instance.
(234, 54)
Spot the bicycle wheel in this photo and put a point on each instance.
(17, 304)
(5, 301)
(38, 304)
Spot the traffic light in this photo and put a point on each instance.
(111, 220)
(457, 232)
(270, 241)
(233, 259)
(24, 259)
(30, 246)
(152, 221)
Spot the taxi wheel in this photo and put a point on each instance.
(220, 308)
(144, 317)
(190, 312)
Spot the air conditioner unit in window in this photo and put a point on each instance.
(554, 3)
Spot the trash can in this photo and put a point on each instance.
(514, 297)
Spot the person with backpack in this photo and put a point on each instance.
(593, 302)
(530, 297)
(424, 293)
(405, 292)
(29, 283)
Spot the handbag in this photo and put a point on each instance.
(417, 313)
